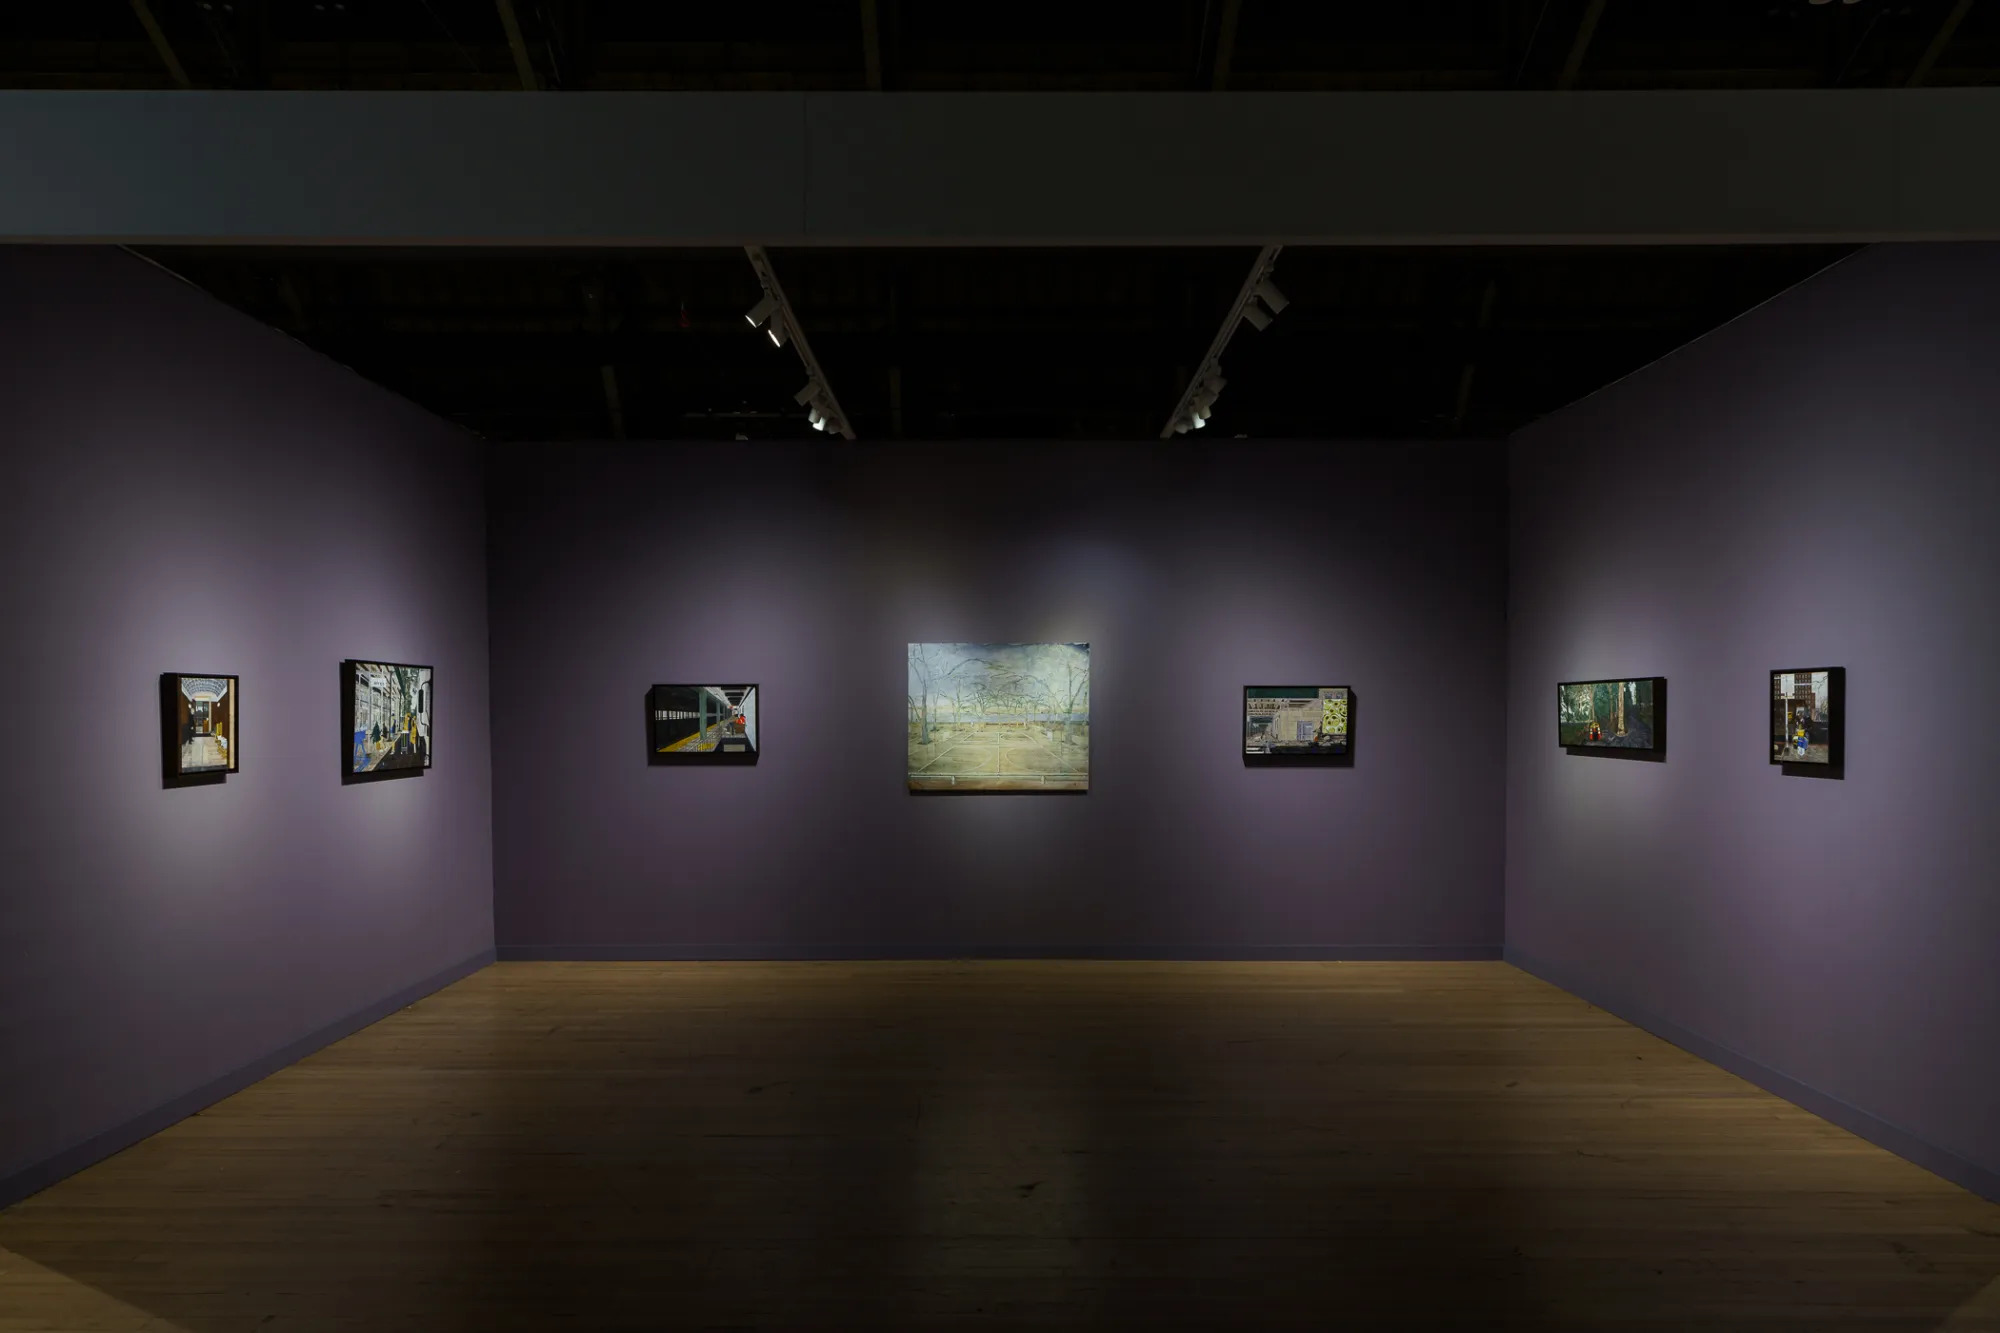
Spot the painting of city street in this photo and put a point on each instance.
(1609, 714)
(1299, 720)
(1805, 716)
(988, 717)
(388, 717)
(701, 724)
(201, 724)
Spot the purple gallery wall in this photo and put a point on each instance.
(187, 490)
(806, 568)
(1816, 484)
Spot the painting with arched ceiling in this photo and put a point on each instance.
(199, 716)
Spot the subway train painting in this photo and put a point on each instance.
(701, 724)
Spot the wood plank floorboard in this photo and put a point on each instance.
(1000, 1144)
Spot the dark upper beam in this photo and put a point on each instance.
(158, 37)
(1001, 169)
(871, 45)
(1939, 42)
(524, 65)
(1580, 47)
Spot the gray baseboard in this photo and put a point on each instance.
(38, 1176)
(1959, 1170)
(836, 952)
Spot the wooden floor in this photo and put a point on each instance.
(947, 1145)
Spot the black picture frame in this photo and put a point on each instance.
(174, 771)
(422, 743)
(1835, 764)
(1293, 756)
(1655, 751)
(672, 707)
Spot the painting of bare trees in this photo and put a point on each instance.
(999, 717)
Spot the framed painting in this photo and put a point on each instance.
(389, 707)
(702, 724)
(1807, 723)
(1627, 715)
(999, 717)
(200, 726)
(1297, 721)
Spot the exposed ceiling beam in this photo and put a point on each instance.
(1939, 42)
(288, 292)
(859, 169)
(1225, 43)
(1484, 322)
(524, 66)
(1585, 30)
(165, 49)
(818, 392)
(1207, 376)
(612, 405)
(871, 43)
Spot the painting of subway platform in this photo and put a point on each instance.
(702, 723)
(989, 717)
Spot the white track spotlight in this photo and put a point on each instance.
(762, 310)
(1254, 316)
(1268, 293)
(806, 395)
(778, 331)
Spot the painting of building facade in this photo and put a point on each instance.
(389, 717)
(1297, 720)
(201, 724)
(1610, 714)
(999, 717)
(1805, 716)
(701, 723)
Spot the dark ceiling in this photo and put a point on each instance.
(948, 44)
(948, 343)
(968, 342)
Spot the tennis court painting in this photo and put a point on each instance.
(999, 717)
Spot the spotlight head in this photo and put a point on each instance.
(777, 332)
(1254, 316)
(1268, 293)
(807, 394)
(762, 310)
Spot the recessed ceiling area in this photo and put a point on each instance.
(1131, 45)
(943, 343)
